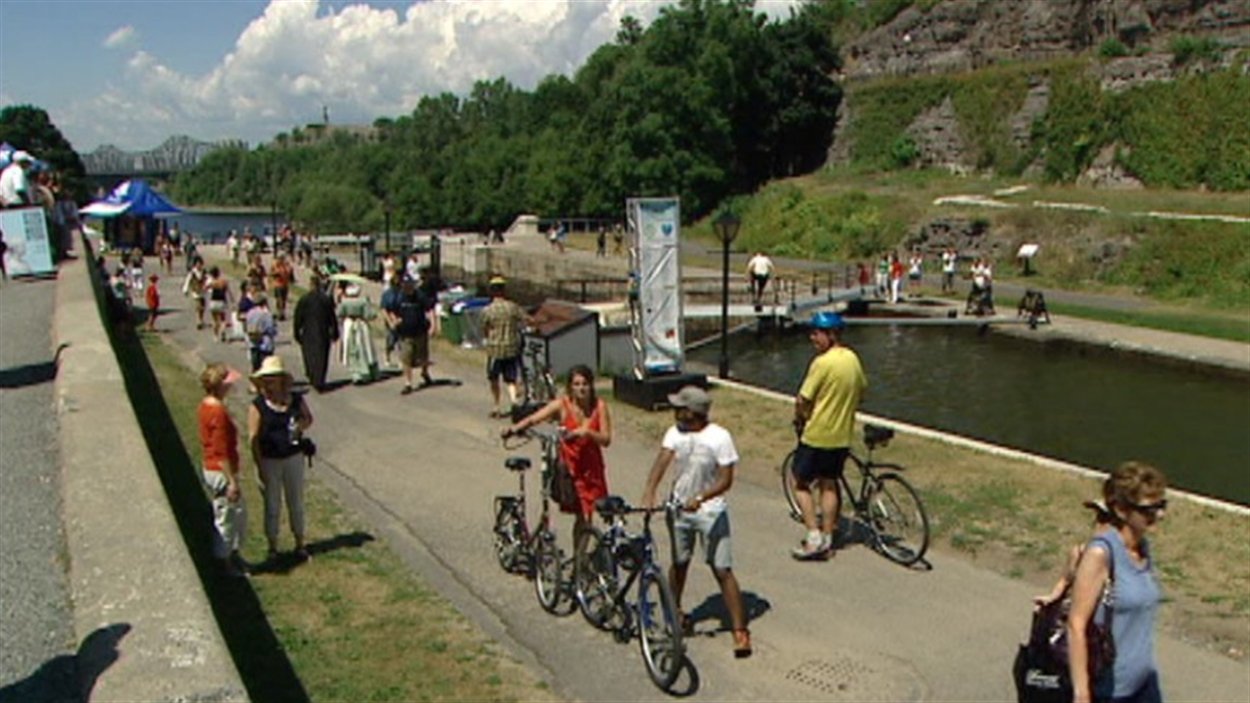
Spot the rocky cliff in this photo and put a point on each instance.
(958, 35)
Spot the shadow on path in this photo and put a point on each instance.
(31, 374)
(70, 677)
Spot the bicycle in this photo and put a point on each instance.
(539, 385)
(885, 502)
(602, 558)
(533, 552)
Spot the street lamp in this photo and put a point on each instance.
(726, 226)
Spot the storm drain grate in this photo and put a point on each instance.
(848, 679)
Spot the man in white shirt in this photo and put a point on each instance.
(14, 186)
(706, 457)
(759, 268)
(949, 257)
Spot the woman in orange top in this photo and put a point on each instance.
(588, 429)
(219, 440)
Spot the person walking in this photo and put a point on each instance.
(1135, 495)
(587, 426)
(706, 457)
(276, 422)
(315, 329)
(759, 269)
(281, 278)
(390, 300)
(824, 417)
(261, 330)
(221, 471)
(358, 354)
(896, 278)
(152, 298)
(217, 288)
(502, 322)
(410, 318)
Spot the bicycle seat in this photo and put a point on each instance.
(611, 505)
(876, 435)
(517, 463)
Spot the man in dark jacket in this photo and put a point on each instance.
(315, 328)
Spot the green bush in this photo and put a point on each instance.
(1112, 48)
(904, 152)
(1186, 49)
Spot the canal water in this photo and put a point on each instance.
(1081, 404)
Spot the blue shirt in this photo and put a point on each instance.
(1136, 603)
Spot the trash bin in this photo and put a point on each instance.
(462, 322)
(369, 259)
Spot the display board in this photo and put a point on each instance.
(659, 334)
(28, 251)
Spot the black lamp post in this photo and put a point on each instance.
(726, 226)
(386, 210)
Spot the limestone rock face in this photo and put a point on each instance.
(968, 34)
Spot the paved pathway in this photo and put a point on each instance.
(36, 623)
(422, 470)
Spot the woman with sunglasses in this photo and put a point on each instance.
(1134, 495)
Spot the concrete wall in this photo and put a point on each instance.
(130, 573)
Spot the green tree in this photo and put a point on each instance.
(29, 128)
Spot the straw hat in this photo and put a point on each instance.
(271, 366)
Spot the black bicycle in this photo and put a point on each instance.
(885, 502)
(533, 552)
(539, 385)
(607, 564)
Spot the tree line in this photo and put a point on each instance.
(710, 100)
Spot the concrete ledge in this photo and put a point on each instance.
(139, 607)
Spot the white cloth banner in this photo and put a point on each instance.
(656, 226)
(27, 251)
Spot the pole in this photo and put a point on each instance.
(388, 229)
(724, 309)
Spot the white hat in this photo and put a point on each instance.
(22, 156)
(271, 366)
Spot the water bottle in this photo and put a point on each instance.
(293, 430)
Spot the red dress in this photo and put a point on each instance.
(584, 456)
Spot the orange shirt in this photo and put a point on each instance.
(218, 436)
(153, 296)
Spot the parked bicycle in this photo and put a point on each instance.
(539, 385)
(528, 550)
(885, 503)
(608, 563)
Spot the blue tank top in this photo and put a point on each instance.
(1136, 603)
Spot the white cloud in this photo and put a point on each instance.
(361, 62)
(122, 36)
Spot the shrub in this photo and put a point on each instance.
(1112, 48)
(904, 152)
(1186, 49)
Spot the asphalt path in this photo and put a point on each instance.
(36, 622)
(423, 469)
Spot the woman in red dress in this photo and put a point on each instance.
(587, 426)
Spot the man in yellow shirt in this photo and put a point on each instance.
(824, 413)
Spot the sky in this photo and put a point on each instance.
(132, 73)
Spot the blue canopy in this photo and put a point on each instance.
(134, 197)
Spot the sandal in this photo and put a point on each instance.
(685, 624)
(742, 643)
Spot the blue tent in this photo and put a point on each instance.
(135, 198)
(132, 211)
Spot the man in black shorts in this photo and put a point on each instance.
(824, 413)
(502, 322)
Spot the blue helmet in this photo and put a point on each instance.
(827, 321)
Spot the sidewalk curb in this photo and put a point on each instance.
(140, 611)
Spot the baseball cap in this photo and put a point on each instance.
(827, 321)
(691, 397)
(498, 281)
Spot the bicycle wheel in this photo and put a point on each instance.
(787, 489)
(594, 580)
(659, 633)
(508, 539)
(897, 519)
(549, 574)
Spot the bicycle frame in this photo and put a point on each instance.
(517, 502)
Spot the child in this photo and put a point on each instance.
(152, 296)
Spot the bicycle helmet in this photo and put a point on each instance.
(827, 321)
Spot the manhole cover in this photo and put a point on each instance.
(845, 678)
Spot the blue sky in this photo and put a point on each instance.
(132, 73)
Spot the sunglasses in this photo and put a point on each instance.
(1151, 508)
